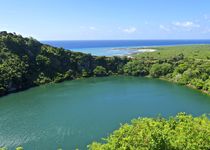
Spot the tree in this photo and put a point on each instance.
(198, 83)
(136, 68)
(181, 68)
(43, 61)
(100, 71)
(158, 70)
(84, 73)
(206, 86)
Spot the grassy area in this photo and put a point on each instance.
(187, 65)
(189, 51)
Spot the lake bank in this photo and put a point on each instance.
(43, 63)
(55, 114)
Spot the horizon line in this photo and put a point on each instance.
(124, 40)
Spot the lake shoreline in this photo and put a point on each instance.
(188, 85)
(43, 64)
(161, 78)
(85, 110)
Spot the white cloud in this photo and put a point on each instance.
(129, 30)
(92, 28)
(179, 26)
(164, 28)
(186, 24)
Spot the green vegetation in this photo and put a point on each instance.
(186, 65)
(19, 148)
(182, 132)
(189, 51)
(25, 62)
(100, 71)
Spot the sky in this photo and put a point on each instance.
(106, 19)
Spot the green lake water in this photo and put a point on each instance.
(72, 114)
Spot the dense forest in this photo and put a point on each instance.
(25, 62)
(186, 65)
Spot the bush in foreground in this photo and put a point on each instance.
(182, 132)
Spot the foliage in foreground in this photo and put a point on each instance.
(182, 132)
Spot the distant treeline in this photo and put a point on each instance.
(186, 65)
(25, 62)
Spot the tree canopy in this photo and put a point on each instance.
(182, 132)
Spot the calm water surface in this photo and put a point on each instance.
(75, 113)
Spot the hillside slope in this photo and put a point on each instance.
(25, 62)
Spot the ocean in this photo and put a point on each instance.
(117, 47)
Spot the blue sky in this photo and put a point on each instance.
(107, 19)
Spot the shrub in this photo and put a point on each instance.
(182, 132)
(207, 85)
(198, 83)
(42, 79)
(19, 148)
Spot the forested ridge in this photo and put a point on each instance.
(25, 62)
